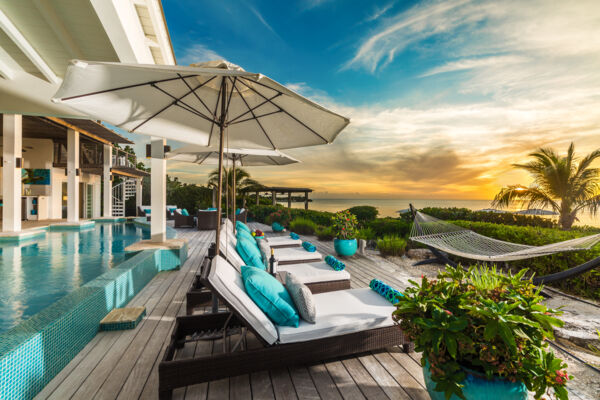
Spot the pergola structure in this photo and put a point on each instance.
(274, 190)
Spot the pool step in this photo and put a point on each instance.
(122, 318)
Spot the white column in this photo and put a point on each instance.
(72, 176)
(106, 182)
(96, 200)
(158, 191)
(12, 128)
(138, 193)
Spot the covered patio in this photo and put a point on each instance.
(274, 191)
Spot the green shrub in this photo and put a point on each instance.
(464, 214)
(390, 226)
(325, 233)
(586, 284)
(303, 226)
(366, 234)
(281, 216)
(391, 246)
(364, 213)
(261, 212)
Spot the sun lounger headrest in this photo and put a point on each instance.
(227, 282)
(231, 254)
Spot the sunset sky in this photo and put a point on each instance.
(442, 95)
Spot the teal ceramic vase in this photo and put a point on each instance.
(477, 387)
(345, 247)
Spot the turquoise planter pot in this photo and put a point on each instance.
(277, 227)
(478, 388)
(345, 247)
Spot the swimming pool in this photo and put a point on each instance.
(36, 274)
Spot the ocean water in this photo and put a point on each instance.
(390, 207)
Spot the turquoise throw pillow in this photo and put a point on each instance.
(185, 213)
(147, 211)
(270, 296)
(242, 226)
(246, 235)
(250, 253)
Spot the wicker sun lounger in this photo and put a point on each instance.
(348, 322)
(318, 277)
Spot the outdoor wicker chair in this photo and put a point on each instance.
(207, 220)
(183, 220)
(349, 322)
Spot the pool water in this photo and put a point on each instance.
(35, 274)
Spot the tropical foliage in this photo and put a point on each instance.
(364, 213)
(344, 225)
(565, 184)
(281, 216)
(243, 181)
(487, 322)
(325, 233)
(391, 246)
(303, 226)
(454, 213)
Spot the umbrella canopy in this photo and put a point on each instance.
(186, 104)
(199, 104)
(536, 211)
(242, 157)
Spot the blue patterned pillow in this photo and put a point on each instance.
(335, 263)
(392, 295)
(294, 236)
(270, 296)
(185, 213)
(250, 253)
(308, 246)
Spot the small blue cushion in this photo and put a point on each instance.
(294, 236)
(270, 296)
(185, 213)
(335, 263)
(242, 226)
(250, 253)
(238, 211)
(308, 246)
(385, 290)
(171, 209)
(277, 227)
(211, 209)
(147, 211)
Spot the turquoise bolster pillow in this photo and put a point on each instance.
(392, 295)
(185, 213)
(270, 296)
(211, 209)
(277, 227)
(239, 225)
(335, 263)
(147, 211)
(294, 236)
(250, 253)
(308, 246)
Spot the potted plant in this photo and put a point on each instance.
(344, 226)
(279, 219)
(483, 335)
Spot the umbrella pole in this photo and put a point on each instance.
(234, 205)
(220, 185)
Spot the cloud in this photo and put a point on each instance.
(198, 53)
(467, 64)
(262, 20)
(378, 12)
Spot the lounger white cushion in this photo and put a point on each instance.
(292, 254)
(342, 312)
(228, 283)
(227, 247)
(314, 272)
(283, 241)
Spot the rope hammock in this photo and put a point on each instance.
(462, 242)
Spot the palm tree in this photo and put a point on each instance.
(242, 181)
(563, 183)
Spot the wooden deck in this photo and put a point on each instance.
(124, 364)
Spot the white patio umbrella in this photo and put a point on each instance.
(199, 104)
(244, 157)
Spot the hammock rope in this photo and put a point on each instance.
(462, 242)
